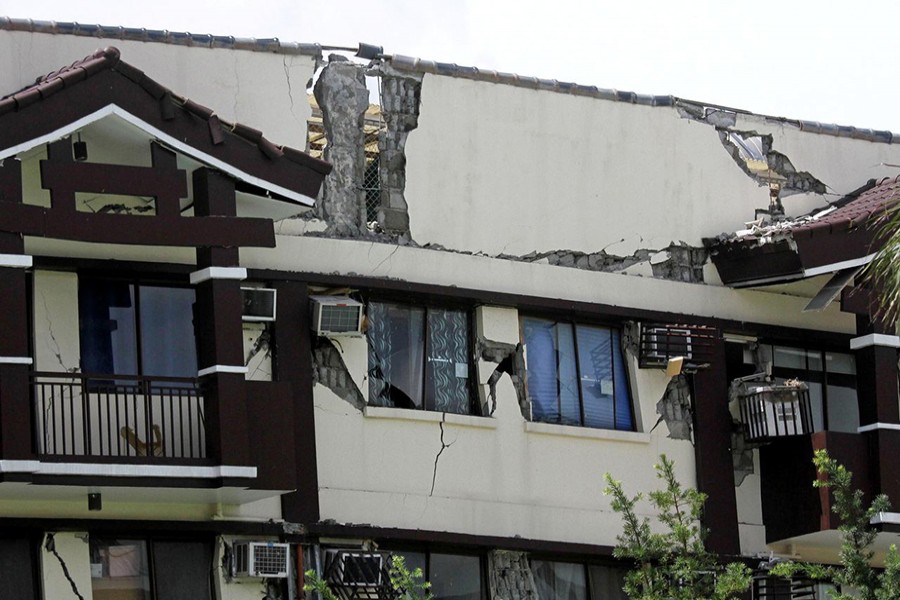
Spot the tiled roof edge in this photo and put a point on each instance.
(409, 63)
(160, 36)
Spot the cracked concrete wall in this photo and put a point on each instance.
(330, 370)
(793, 182)
(675, 408)
(73, 549)
(510, 576)
(257, 351)
(400, 96)
(342, 95)
(56, 338)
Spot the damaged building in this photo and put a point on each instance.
(275, 306)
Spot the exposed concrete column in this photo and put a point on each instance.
(343, 98)
(400, 95)
(510, 576)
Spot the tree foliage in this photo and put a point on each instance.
(673, 564)
(884, 270)
(409, 585)
(857, 537)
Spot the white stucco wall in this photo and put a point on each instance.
(259, 89)
(74, 550)
(497, 475)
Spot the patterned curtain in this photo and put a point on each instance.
(379, 351)
(448, 362)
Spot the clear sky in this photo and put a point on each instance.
(823, 60)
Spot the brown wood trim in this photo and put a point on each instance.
(146, 230)
(712, 441)
(293, 349)
(386, 535)
(116, 179)
(142, 527)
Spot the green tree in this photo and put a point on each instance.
(673, 564)
(884, 270)
(409, 585)
(857, 537)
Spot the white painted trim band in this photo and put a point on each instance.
(222, 369)
(876, 426)
(839, 266)
(16, 360)
(886, 518)
(108, 470)
(173, 143)
(875, 339)
(236, 273)
(16, 261)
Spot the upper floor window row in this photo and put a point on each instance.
(421, 357)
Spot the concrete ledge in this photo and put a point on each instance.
(427, 416)
(610, 435)
(875, 339)
(125, 470)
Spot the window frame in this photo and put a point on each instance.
(586, 566)
(822, 376)
(149, 541)
(135, 282)
(474, 401)
(574, 324)
(483, 574)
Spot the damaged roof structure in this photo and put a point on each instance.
(224, 356)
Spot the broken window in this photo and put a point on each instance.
(831, 377)
(419, 357)
(576, 374)
(577, 581)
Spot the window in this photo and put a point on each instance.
(19, 568)
(136, 329)
(576, 374)
(452, 576)
(139, 569)
(577, 581)
(419, 357)
(831, 377)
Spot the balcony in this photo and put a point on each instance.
(115, 416)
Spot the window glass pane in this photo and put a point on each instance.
(569, 404)
(624, 418)
(455, 577)
(540, 364)
(843, 409)
(448, 361)
(396, 355)
(559, 581)
(597, 382)
(168, 347)
(107, 327)
(814, 360)
(412, 560)
(182, 570)
(607, 583)
(791, 358)
(119, 570)
(837, 362)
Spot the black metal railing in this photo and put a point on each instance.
(774, 411)
(90, 415)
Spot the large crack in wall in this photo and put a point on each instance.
(343, 98)
(510, 359)
(790, 180)
(330, 370)
(675, 408)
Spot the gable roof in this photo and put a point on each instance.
(61, 102)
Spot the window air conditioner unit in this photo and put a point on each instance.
(261, 559)
(336, 315)
(355, 569)
(258, 303)
(665, 343)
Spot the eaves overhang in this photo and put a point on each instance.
(101, 85)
